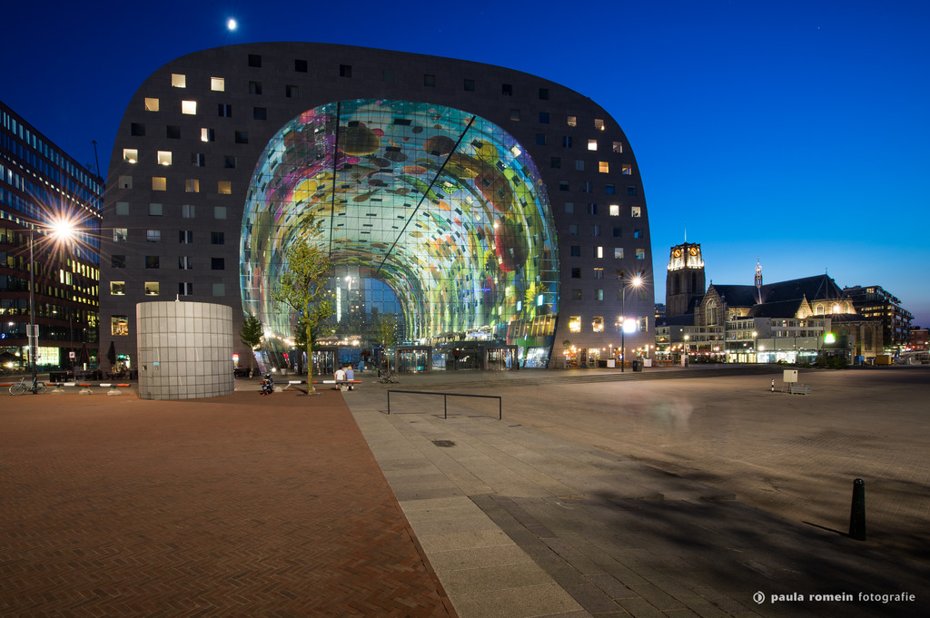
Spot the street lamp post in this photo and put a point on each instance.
(635, 282)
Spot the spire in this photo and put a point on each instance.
(686, 234)
(758, 281)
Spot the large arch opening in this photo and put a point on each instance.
(429, 213)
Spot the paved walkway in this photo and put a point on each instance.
(237, 506)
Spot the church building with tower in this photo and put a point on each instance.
(684, 283)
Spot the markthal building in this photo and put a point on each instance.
(476, 217)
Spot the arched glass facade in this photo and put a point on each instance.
(442, 207)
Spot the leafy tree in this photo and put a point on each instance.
(251, 335)
(303, 288)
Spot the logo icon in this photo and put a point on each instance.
(759, 597)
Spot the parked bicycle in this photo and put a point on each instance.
(26, 386)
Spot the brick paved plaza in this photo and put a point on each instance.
(598, 494)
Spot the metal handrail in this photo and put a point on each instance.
(445, 400)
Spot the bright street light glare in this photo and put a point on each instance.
(231, 24)
(629, 325)
(62, 229)
(636, 281)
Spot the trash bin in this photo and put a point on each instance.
(637, 365)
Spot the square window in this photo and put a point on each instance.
(152, 235)
(563, 185)
(632, 191)
(185, 263)
(569, 208)
(576, 272)
(566, 141)
(152, 261)
(515, 115)
(626, 169)
(579, 165)
(217, 238)
(345, 70)
(242, 137)
(189, 108)
(540, 139)
(230, 162)
(131, 155)
(152, 104)
(218, 84)
(618, 147)
(178, 80)
(610, 189)
(219, 289)
(224, 187)
(543, 94)
(156, 210)
(575, 251)
(574, 324)
(596, 230)
(603, 167)
(592, 144)
(259, 113)
(507, 90)
(637, 233)
(599, 294)
(192, 185)
(571, 121)
(122, 208)
(198, 159)
(429, 80)
(576, 294)
(118, 261)
(219, 212)
(152, 288)
(599, 124)
(137, 129)
(614, 210)
(125, 182)
(186, 237)
(119, 325)
(572, 229)
(618, 253)
(592, 208)
(300, 65)
(291, 91)
(217, 264)
(555, 163)
(120, 234)
(207, 135)
(173, 131)
(597, 324)
(224, 110)
(255, 87)
(636, 212)
(188, 211)
(640, 254)
(117, 288)
(185, 289)
(543, 117)
(159, 183)
(164, 157)
(255, 60)
(469, 85)
(617, 232)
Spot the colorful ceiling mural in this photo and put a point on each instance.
(443, 206)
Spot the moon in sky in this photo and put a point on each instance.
(232, 24)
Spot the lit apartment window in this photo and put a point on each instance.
(598, 273)
(218, 84)
(178, 80)
(599, 252)
(635, 212)
(626, 170)
(640, 254)
(185, 288)
(592, 144)
(151, 104)
(603, 167)
(117, 288)
(599, 294)
(224, 187)
(164, 157)
(597, 324)
(614, 210)
(599, 124)
(119, 325)
(572, 121)
(189, 108)
(159, 183)
(153, 235)
(618, 253)
(618, 147)
(192, 185)
(130, 155)
(152, 288)
(188, 211)
(156, 210)
(120, 234)
(574, 324)
(207, 135)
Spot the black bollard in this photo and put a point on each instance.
(857, 511)
(773, 385)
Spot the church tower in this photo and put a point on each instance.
(684, 283)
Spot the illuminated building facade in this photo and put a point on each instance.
(39, 184)
(472, 202)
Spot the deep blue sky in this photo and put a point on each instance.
(793, 132)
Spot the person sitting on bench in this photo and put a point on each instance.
(350, 376)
